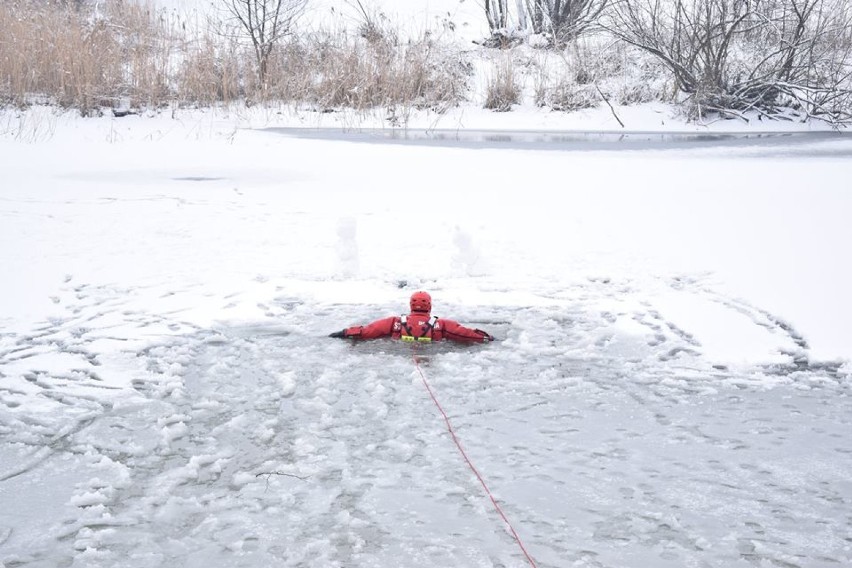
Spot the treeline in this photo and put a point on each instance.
(714, 56)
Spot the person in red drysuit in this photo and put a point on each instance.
(419, 325)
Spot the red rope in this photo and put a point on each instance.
(472, 467)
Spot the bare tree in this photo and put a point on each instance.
(265, 23)
(735, 55)
(564, 20)
(523, 17)
(497, 12)
(560, 20)
(692, 37)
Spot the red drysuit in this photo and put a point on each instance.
(419, 325)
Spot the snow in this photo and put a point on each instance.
(670, 385)
(670, 319)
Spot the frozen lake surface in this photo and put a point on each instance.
(665, 390)
(252, 446)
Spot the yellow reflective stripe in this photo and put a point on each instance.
(411, 338)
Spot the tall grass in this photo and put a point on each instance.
(132, 54)
(338, 70)
(503, 89)
(64, 54)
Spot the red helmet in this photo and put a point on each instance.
(421, 302)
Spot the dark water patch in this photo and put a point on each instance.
(197, 178)
(774, 143)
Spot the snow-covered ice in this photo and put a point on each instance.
(671, 384)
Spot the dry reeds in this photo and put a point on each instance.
(130, 54)
(64, 54)
(49, 51)
(502, 90)
(336, 71)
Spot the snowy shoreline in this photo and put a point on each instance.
(43, 122)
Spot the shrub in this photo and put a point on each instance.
(502, 90)
(729, 56)
(339, 70)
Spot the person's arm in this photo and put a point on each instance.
(377, 329)
(454, 331)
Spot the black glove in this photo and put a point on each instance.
(338, 334)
